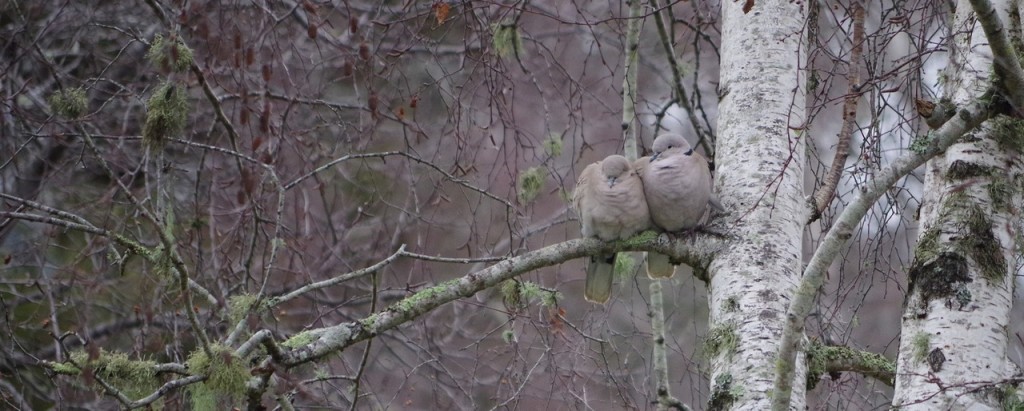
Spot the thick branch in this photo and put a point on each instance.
(1007, 66)
(693, 250)
(830, 359)
(803, 301)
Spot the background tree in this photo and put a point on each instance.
(355, 204)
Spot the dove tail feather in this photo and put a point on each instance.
(600, 271)
(659, 266)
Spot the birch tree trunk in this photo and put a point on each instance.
(954, 336)
(760, 160)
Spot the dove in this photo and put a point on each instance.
(609, 198)
(677, 186)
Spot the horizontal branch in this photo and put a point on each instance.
(830, 359)
(696, 250)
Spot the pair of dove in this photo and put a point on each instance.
(669, 191)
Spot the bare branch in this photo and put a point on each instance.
(821, 199)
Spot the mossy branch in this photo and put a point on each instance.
(696, 250)
(829, 359)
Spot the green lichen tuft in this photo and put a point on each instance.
(1001, 192)
(69, 103)
(531, 181)
(979, 242)
(731, 304)
(506, 39)
(723, 393)
(553, 145)
(642, 238)
(298, 340)
(225, 382)
(1009, 398)
(508, 336)
(565, 195)
(939, 277)
(169, 54)
(518, 294)
(921, 143)
(534, 292)
(369, 322)
(134, 378)
(920, 343)
(962, 170)
(625, 265)
(408, 304)
(64, 368)
(239, 306)
(512, 294)
(1008, 132)
(166, 115)
(720, 340)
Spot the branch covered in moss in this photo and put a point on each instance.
(694, 250)
(829, 359)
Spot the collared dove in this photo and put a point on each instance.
(677, 184)
(609, 198)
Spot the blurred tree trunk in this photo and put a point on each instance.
(954, 336)
(760, 172)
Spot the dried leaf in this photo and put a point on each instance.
(441, 10)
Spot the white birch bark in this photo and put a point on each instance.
(760, 177)
(954, 339)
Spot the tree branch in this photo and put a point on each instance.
(832, 359)
(827, 191)
(931, 145)
(629, 86)
(1007, 66)
(696, 250)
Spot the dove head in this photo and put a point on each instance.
(668, 144)
(614, 167)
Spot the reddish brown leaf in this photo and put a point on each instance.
(747, 6)
(353, 24)
(267, 72)
(364, 51)
(265, 118)
(311, 30)
(441, 10)
(309, 7)
(347, 69)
